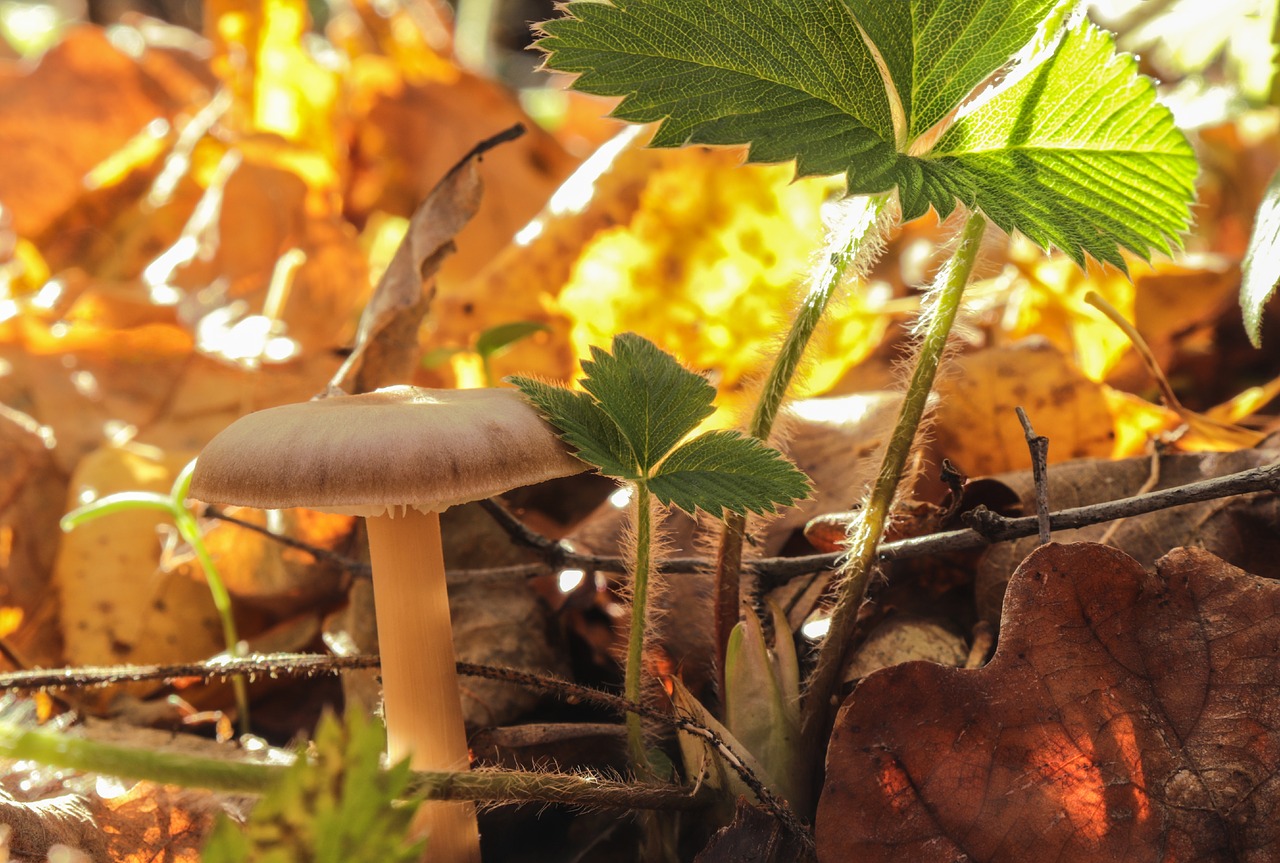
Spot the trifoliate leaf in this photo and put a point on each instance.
(795, 79)
(583, 425)
(335, 807)
(936, 53)
(1262, 262)
(653, 400)
(1076, 155)
(723, 470)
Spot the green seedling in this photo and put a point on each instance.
(334, 804)
(173, 504)
(490, 344)
(631, 422)
(1019, 111)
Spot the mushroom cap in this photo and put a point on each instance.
(381, 451)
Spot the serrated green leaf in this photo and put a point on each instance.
(1261, 262)
(337, 806)
(723, 470)
(792, 79)
(1076, 155)
(653, 400)
(937, 52)
(582, 423)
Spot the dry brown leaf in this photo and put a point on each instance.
(56, 124)
(976, 426)
(32, 494)
(412, 133)
(1124, 717)
(386, 349)
(117, 604)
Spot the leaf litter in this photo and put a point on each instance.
(126, 295)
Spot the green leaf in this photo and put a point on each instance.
(1077, 155)
(334, 807)
(723, 470)
(653, 400)
(762, 701)
(793, 79)
(583, 425)
(495, 339)
(937, 52)
(1261, 262)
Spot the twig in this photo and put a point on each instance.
(60, 749)
(1039, 446)
(992, 528)
(310, 664)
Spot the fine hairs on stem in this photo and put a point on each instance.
(864, 538)
(857, 239)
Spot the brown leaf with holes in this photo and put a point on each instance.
(1126, 716)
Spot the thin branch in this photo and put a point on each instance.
(1039, 446)
(991, 528)
(276, 665)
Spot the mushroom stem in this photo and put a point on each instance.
(421, 702)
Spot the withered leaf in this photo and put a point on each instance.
(386, 347)
(1125, 716)
(82, 102)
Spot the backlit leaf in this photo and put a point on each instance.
(584, 425)
(653, 399)
(723, 470)
(1076, 155)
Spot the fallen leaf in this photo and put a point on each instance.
(55, 123)
(386, 348)
(35, 826)
(1124, 717)
(33, 492)
(977, 429)
(413, 132)
(754, 836)
(688, 247)
(117, 604)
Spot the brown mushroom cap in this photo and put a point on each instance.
(394, 447)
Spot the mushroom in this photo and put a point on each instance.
(397, 456)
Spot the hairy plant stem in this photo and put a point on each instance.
(859, 243)
(635, 644)
(868, 530)
(58, 749)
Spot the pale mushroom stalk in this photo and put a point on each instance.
(398, 456)
(420, 703)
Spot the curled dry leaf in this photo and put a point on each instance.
(1126, 716)
(386, 347)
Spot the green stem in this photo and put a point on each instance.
(635, 643)
(859, 242)
(819, 706)
(240, 777)
(189, 530)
